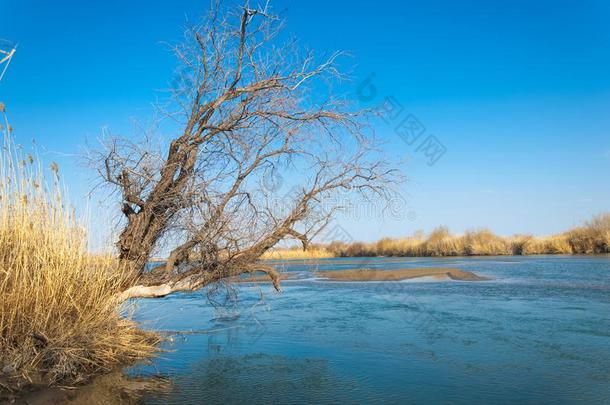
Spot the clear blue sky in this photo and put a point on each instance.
(517, 91)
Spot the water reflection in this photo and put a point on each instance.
(113, 388)
(258, 378)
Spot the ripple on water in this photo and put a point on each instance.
(537, 333)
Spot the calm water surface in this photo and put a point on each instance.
(539, 332)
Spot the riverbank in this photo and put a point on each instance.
(593, 237)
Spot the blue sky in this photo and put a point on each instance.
(518, 92)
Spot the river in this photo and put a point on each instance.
(537, 332)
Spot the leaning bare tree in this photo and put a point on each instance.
(245, 107)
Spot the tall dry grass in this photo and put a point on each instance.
(591, 238)
(59, 317)
(297, 253)
(411, 246)
(530, 245)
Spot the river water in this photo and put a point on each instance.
(538, 332)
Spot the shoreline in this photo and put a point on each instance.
(113, 386)
(387, 258)
(291, 257)
(365, 275)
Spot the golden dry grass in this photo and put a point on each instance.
(297, 253)
(591, 238)
(399, 247)
(528, 245)
(59, 317)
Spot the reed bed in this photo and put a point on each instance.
(591, 238)
(60, 321)
(297, 253)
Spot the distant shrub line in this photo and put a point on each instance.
(591, 238)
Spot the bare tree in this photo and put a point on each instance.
(246, 107)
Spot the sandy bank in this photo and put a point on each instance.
(400, 274)
(378, 275)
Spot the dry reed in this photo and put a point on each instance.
(592, 238)
(60, 320)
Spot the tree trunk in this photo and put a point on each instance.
(138, 238)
